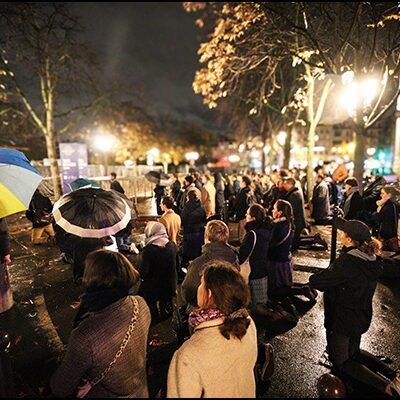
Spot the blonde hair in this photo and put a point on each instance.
(217, 231)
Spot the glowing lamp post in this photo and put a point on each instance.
(104, 143)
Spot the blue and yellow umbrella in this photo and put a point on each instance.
(18, 182)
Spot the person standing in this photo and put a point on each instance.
(193, 222)
(115, 185)
(349, 285)
(242, 204)
(158, 271)
(6, 297)
(218, 360)
(170, 219)
(320, 206)
(353, 203)
(387, 215)
(295, 197)
(108, 345)
(208, 196)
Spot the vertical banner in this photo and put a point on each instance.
(74, 163)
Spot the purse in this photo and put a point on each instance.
(245, 268)
(86, 386)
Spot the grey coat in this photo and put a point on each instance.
(320, 201)
(94, 343)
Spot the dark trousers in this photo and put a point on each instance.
(347, 357)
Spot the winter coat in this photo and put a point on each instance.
(39, 204)
(295, 198)
(388, 218)
(320, 201)
(193, 217)
(259, 256)
(172, 223)
(115, 185)
(210, 251)
(210, 366)
(280, 251)
(219, 193)
(348, 284)
(4, 239)
(241, 203)
(353, 205)
(158, 271)
(208, 194)
(94, 343)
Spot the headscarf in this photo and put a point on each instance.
(156, 234)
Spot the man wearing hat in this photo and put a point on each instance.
(349, 285)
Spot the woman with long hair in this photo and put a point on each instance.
(107, 350)
(280, 266)
(218, 359)
(349, 285)
(387, 215)
(254, 248)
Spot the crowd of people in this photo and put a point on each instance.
(189, 252)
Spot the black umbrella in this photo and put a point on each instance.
(159, 178)
(92, 213)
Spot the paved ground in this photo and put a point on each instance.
(46, 302)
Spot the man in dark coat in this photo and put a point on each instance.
(320, 201)
(353, 204)
(115, 185)
(295, 198)
(216, 247)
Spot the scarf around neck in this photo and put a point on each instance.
(209, 314)
(98, 300)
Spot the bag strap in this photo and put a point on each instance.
(284, 239)
(254, 245)
(124, 343)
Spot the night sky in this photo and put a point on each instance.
(152, 45)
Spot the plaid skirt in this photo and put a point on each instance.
(259, 290)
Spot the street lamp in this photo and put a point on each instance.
(104, 143)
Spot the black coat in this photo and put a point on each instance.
(193, 217)
(295, 198)
(348, 284)
(259, 257)
(39, 204)
(4, 239)
(241, 203)
(388, 218)
(279, 249)
(158, 271)
(320, 201)
(115, 185)
(356, 205)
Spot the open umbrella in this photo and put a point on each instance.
(158, 178)
(92, 213)
(18, 182)
(81, 183)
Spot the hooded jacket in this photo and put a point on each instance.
(210, 251)
(349, 285)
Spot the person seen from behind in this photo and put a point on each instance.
(349, 285)
(108, 345)
(218, 360)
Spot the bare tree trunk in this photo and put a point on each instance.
(359, 155)
(287, 148)
(263, 137)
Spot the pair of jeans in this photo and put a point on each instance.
(346, 356)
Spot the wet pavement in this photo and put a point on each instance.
(46, 302)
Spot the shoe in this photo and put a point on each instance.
(395, 384)
(310, 293)
(318, 240)
(268, 366)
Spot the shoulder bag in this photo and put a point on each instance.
(245, 266)
(87, 385)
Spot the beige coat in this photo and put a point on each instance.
(172, 223)
(94, 343)
(208, 194)
(208, 365)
